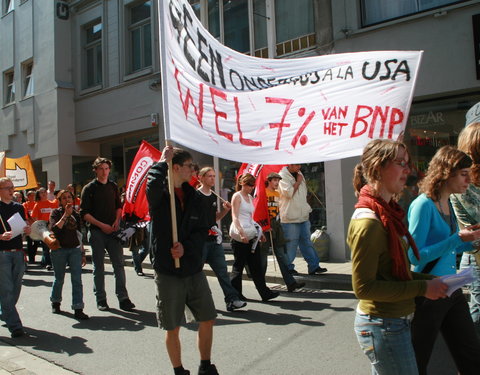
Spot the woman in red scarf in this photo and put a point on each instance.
(381, 275)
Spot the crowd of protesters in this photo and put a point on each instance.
(392, 296)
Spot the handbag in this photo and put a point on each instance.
(250, 232)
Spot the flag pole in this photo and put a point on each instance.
(273, 251)
(166, 121)
(218, 196)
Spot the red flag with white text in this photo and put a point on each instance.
(135, 190)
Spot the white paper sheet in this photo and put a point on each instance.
(458, 280)
(16, 224)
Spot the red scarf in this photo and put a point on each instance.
(391, 216)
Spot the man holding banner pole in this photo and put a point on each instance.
(185, 288)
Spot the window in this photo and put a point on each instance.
(9, 87)
(243, 25)
(294, 26)
(92, 54)
(140, 36)
(260, 28)
(27, 69)
(376, 11)
(195, 4)
(7, 6)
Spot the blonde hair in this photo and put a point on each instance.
(204, 171)
(376, 155)
(469, 142)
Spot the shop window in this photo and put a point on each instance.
(27, 73)
(140, 36)
(377, 11)
(314, 177)
(433, 124)
(92, 54)
(9, 87)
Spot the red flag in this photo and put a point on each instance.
(260, 172)
(135, 189)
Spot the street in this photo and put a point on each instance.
(298, 333)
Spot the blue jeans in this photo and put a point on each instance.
(12, 267)
(101, 242)
(60, 258)
(387, 343)
(214, 255)
(474, 289)
(298, 235)
(46, 260)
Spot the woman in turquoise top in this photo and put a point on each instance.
(433, 226)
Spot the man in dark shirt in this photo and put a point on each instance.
(102, 209)
(12, 264)
(187, 285)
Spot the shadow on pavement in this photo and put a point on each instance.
(51, 342)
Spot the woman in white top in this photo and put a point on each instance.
(245, 234)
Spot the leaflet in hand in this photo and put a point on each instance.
(17, 224)
(458, 280)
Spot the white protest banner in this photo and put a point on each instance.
(276, 111)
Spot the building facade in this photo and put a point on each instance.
(81, 78)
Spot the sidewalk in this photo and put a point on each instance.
(17, 362)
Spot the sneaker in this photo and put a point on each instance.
(270, 296)
(103, 305)
(56, 308)
(210, 370)
(80, 315)
(140, 273)
(318, 271)
(296, 285)
(49, 268)
(19, 332)
(126, 305)
(235, 305)
(293, 272)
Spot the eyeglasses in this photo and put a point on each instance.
(8, 188)
(402, 163)
(189, 165)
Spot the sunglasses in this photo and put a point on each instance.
(250, 184)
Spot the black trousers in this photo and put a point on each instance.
(242, 253)
(451, 317)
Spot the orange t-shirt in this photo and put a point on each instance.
(42, 209)
(28, 206)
